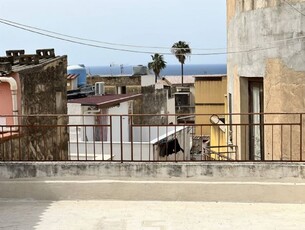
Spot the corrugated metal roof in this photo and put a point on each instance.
(72, 76)
(210, 75)
(105, 100)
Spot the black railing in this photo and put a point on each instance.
(277, 137)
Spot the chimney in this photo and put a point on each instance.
(29, 59)
(14, 53)
(45, 53)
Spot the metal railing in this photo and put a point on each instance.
(99, 137)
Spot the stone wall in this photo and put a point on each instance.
(153, 101)
(235, 7)
(43, 92)
(265, 38)
(115, 80)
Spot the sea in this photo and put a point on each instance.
(170, 70)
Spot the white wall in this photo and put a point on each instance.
(75, 109)
(147, 80)
(183, 135)
(171, 110)
(142, 150)
(122, 109)
(148, 134)
(87, 118)
(101, 151)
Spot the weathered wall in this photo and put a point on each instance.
(238, 6)
(115, 80)
(264, 38)
(153, 102)
(209, 181)
(43, 91)
(263, 33)
(44, 88)
(199, 171)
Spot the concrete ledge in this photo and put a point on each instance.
(190, 170)
(154, 190)
(193, 181)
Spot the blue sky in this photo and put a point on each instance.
(154, 23)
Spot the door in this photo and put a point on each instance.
(256, 119)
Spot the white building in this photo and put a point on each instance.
(101, 125)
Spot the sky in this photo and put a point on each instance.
(154, 25)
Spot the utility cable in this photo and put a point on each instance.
(100, 42)
(33, 30)
(296, 9)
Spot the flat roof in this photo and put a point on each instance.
(18, 60)
(105, 100)
(210, 75)
(176, 80)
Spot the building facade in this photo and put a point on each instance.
(210, 98)
(266, 74)
(153, 101)
(30, 85)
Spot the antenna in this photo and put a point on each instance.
(122, 69)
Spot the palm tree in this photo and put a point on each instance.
(180, 49)
(157, 64)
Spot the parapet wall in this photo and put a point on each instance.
(138, 171)
(208, 181)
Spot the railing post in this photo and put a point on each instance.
(111, 147)
(77, 143)
(131, 136)
(301, 137)
(121, 137)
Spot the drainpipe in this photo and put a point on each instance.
(13, 86)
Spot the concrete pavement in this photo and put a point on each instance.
(148, 215)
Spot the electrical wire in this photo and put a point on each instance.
(296, 9)
(23, 26)
(100, 42)
(229, 50)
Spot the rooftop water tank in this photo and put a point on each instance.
(140, 70)
(79, 70)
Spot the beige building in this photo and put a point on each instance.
(210, 98)
(266, 74)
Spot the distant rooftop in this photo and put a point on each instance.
(176, 80)
(105, 100)
(210, 75)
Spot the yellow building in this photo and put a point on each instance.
(210, 98)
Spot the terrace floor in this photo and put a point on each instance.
(142, 215)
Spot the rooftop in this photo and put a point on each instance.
(211, 76)
(176, 80)
(17, 60)
(105, 100)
